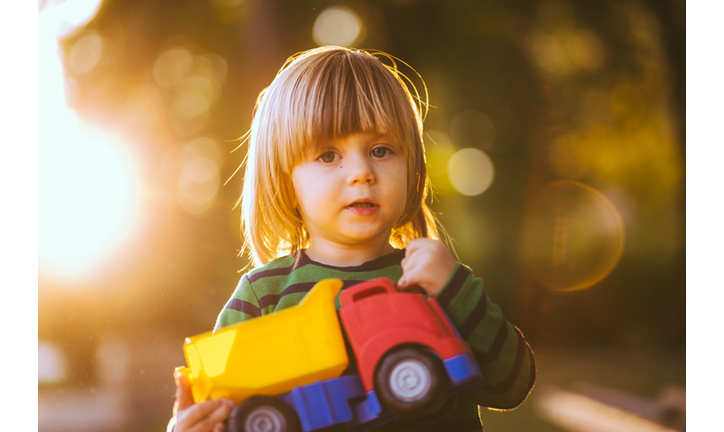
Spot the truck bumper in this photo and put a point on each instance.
(330, 402)
(464, 372)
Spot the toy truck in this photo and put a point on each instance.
(284, 370)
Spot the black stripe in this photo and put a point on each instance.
(388, 260)
(512, 377)
(350, 283)
(476, 315)
(456, 282)
(301, 287)
(377, 264)
(273, 299)
(281, 271)
(243, 306)
(497, 346)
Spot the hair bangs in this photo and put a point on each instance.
(349, 92)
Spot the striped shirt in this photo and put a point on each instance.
(502, 353)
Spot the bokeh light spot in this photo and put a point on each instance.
(198, 185)
(190, 104)
(337, 25)
(85, 53)
(191, 171)
(549, 51)
(471, 171)
(575, 236)
(211, 67)
(586, 49)
(199, 84)
(192, 83)
(186, 126)
(172, 66)
(52, 365)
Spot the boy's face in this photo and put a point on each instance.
(353, 191)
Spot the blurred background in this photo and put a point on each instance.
(556, 146)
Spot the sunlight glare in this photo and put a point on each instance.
(63, 17)
(87, 198)
(87, 186)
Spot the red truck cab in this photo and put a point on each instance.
(405, 347)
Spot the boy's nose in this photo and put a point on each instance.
(360, 171)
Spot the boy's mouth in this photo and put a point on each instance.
(363, 208)
(361, 204)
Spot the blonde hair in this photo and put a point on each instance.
(316, 96)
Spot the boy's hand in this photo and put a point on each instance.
(428, 264)
(206, 416)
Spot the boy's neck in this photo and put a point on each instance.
(346, 255)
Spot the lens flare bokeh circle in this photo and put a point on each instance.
(574, 238)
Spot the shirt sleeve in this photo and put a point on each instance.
(500, 350)
(243, 305)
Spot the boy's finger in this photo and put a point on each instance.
(215, 420)
(412, 246)
(408, 279)
(221, 413)
(411, 261)
(198, 413)
(184, 397)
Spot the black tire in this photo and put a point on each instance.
(412, 382)
(263, 414)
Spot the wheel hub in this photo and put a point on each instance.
(410, 380)
(265, 419)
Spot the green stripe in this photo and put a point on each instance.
(462, 305)
(483, 336)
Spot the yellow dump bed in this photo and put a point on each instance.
(272, 354)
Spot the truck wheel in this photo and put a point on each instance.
(412, 382)
(263, 414)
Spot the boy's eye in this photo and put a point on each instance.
(380, 152)
(327, 157)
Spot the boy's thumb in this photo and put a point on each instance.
(184, 397)
(403, 282)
